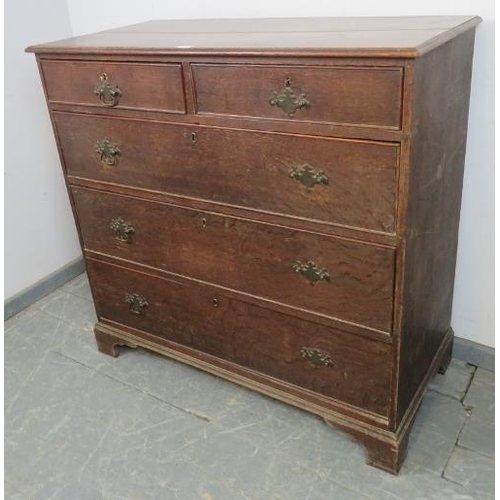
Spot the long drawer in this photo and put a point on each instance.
(366, 96)
(344, 367)
(342, 182)
(337, 278)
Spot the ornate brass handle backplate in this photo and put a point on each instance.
(108, 93)
(311, 272)
(307, 176)
(136, 303)
(288, 101)
(108, 153)
(316, 357)
(123, 231)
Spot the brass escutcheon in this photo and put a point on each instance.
(137, 304)
(123, 231)
(316, 357)
(108, 93)
(307, 176)
(108, 153)
(311, 272)
(288, 101)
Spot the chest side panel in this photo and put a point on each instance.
(437, 153)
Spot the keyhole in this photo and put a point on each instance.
(288, 83)
(194, 137)
(215, 302)
(204, 222)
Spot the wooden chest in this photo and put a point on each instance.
(274, 201)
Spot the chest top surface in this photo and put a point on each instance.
(341, 36)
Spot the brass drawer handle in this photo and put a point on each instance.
(136, 303)
(108, 153)
(317, 358)
(123, 231)
(307, 176)
(311, 272)
(107, 92)
(288, 101)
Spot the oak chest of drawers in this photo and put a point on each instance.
(274, 201)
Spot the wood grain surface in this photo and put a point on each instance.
(440, 112)
(243, 255)
(241, 168)
(252, 336)
(143, 86)
(329, 37)
(346, 95)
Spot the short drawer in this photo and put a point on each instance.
(344, 95)
(122, 85)
(339, 182)
(340, 366)
(336, 278)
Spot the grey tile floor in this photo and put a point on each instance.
(82, 425)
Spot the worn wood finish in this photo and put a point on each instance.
(386, 239)
(307, 315)
(345, 95)
(203, 178)
(250, 336)
(192, 161)
(389, 37)
(332, 130)
(143, 86)
(440, 111)
(226, 251)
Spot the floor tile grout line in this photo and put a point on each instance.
(455, 483)
(468, 411)
(37, 307)
(17, 316)
(469, 384)
(467, 417)
(179, 408)
(462, 447)
(73, 293)
(61, 318)
(79, 296)
(449, 396)
(453, 450)
(460, 400)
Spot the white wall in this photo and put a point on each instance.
(39, 230)
(474, 291)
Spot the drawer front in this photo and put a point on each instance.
(350, 369)
(336, 278)
(338, 95)
(128, 86)
(343, 182)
